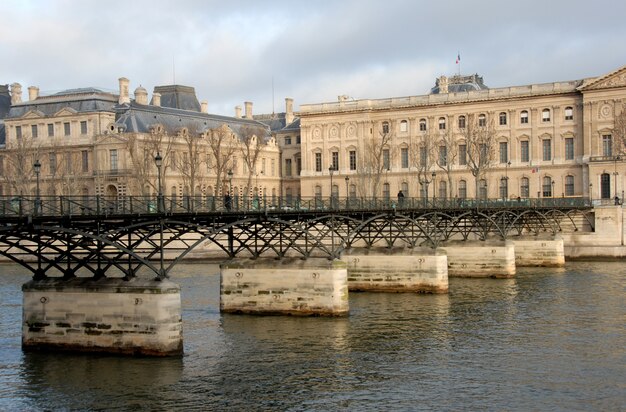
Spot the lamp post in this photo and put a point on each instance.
(590, 192)
(37, 169)
(347, 179)
(615, 174)
(506, 180)
(331, 169)
(229, 198)
(158, 161)
(552, 192)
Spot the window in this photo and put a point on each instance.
(386, 191)
(385, 127)
(547, 186)
(298, 165)
(405, 189)
(442, 123)
(352, 159)
(352, 191)
(523, 117)
(34, 131)
(502, 118)
(18, 132)
(524, 187)
(482, 120)
(423, 156)
(545, 115)
(504, 188)
(298, 139)
(404, 126)
(288, 167)
(462, 154)
(462, 189)
(569, 185)
(461, 122)
(525, 154)
(66, 128)
(50, 129)
(504, 152)
(422, 125)
(443, 155)
(386, 160)
(113, 159)
(607, 145)
(85, 160)
(547, 149)
(443, 189)
(83, 127)
(569, 113)
(172, 161)
(1, 166)
(482, 153)
(273, 167)
(482, 189)
(287, 140)
(335, 160)
(318, 162)
(404, 157)
(318, 192)
(52, 160)
(569, 148)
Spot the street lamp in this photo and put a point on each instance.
(506, 180)
(590, 192)
(230, 181)
(552, 192)
(615, 160)
(37, 169)
(331, 169)
(347, 179)
(158, 160)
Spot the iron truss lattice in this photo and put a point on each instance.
(120, 244)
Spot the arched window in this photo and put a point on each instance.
(502, 118)
(352, 191)
(569, 185)
(462, 189)
(385, 127)
(482, 189)
(569, 113)
(405, 189)
(461, 122)
(504, 188)
(524, 188)
(404, 126)
(547, 186)
(422, 125)
(442, 123)
(523, 117)
(386, 192)
(482, 120)
(545, 115)
(318, 192)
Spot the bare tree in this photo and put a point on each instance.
(142, 149)
(422, 158)
(376, 157)
(448, 151)
(480, 140)
(17, 164)
(222, 148)
(190, 164)
(252, 139)
(619, 132)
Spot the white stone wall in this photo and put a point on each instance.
(404, 271)
(606, 241)
(289, 286)
(109, 315)
(541, 252)
(477, 259)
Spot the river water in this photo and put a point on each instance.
(550, 339)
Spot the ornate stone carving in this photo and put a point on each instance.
(605, 111)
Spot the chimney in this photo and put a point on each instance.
(16, 93)
(124, 96)
(248, 106)
(156, 99)
(33, 92)
(141, 95)
(288, 110)
(204, 106)
(238, 112)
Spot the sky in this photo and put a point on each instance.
(311, 50)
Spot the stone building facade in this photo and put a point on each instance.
(543, 140)
(92, 142)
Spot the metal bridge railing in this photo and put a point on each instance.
(125, 205)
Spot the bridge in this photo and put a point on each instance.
(64, 236)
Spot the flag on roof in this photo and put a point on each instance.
(458, 58)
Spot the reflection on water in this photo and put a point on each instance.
(547, 339)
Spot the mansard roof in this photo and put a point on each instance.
(3, 136)
(458, 83)
(178, 97)
(137, 118)
(278, 122)
(79, 100)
